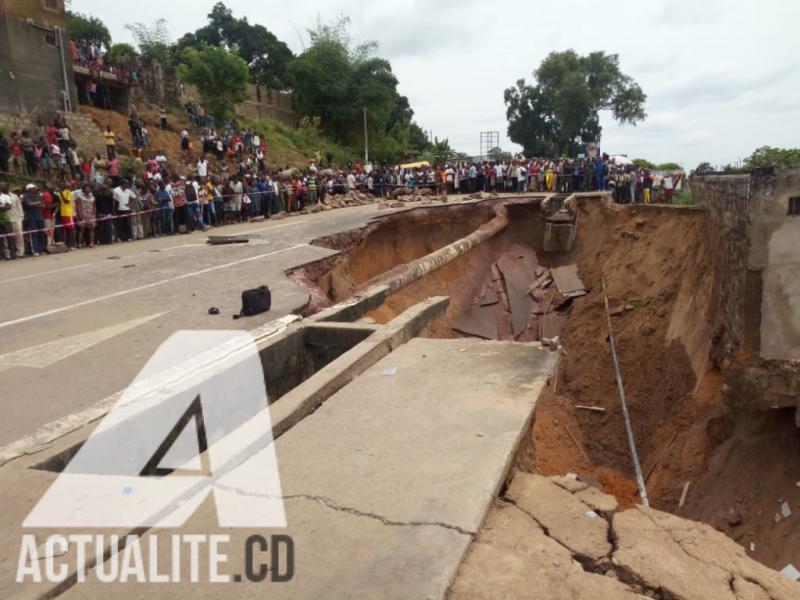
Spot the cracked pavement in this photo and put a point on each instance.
(558, 538)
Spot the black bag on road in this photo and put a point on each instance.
(255, 301)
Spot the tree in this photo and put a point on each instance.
(338, 80)
(704, 167)
(153, 41)
(82, 27)
(496, 154)
(122, 54)
(559, 114)
(766, 156)
(643, 163)
(669, 166)
(266, 56)
(220, 76)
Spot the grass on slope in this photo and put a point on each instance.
(296, 147)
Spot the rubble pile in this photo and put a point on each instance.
(521, 300)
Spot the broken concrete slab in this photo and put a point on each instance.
(655, 555)
(568, 282)
(657, 546)
(514, 559)
(480, 321)
(517, 275)
(555, 509)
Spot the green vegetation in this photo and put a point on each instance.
(82, 27)
(643, 163)
(337, 81)
(122, 54)
(683, 197)
(288, 145)
(667, 166)
(220, 76)
(267, 57)
(559, 114)
(153, 41)
(767, 156)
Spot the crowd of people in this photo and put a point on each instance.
(99, 205)
(93, 56)
(46, 151)
(93, 200)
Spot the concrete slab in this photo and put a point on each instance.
(387, 483)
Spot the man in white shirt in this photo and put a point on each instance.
(17, 214)
(202, 167)
(351, 182)
(669, 187)
(8, 245)
(123, 196)
(238, 190)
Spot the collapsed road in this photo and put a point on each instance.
(400, 309)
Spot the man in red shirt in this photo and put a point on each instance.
(178, 192)
(47, 211)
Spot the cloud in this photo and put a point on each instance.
(721, 77)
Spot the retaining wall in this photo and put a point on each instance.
(756, 286)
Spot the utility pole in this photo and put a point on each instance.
(366, 139)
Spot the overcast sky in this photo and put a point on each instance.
(722, 77)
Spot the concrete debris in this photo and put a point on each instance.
(518, 291)
(592, 408)
(790, 572)
(786, 512)
(683, 494)
(538, 537)
(217, 240)
(568, 282)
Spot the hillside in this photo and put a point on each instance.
(286, 145)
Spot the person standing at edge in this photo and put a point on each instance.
(111, 142)
(8, 245)
(34, 221)
(123, 196)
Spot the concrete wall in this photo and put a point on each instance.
(31, 77)
(727, 202)
(775, 251)
(46, 12)
(756, 285)
(261, 103)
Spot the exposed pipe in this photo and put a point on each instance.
(59, 37)
(65, 79)
(422, 266)
(631, 442)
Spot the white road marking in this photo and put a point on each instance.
(43, 273)
(44, 355)
(54, 430)
(146, 286)
(89, 264)
(281, 226)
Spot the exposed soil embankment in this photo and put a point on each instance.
(740, 467)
